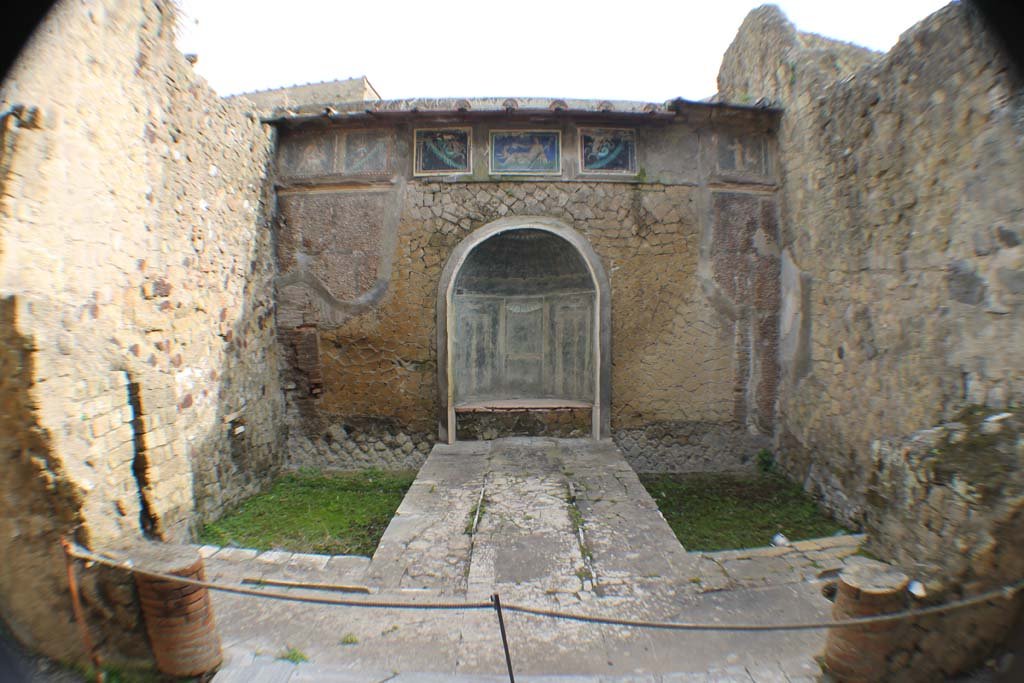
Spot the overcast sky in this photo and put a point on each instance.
(646, 50)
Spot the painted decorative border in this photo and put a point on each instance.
(532, 153)
(436, 151)
(608, 151)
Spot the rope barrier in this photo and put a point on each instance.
(1006, 592)
(126, 565)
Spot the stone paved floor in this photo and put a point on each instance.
(564, 524)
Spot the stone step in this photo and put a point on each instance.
(232, 565)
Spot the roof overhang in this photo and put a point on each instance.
(530, 108)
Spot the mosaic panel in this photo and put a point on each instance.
(529, 152)
(608, 150)
(442, 151)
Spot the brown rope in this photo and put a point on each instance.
(1004, 593)
(272, 595)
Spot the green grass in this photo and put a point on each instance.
(726, 511)
(339, 514)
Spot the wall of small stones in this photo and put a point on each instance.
(136, 279)
(566, 424)
(902, 222)
(691, 447)
(947, 505)
(903, 217)
(352, 447)
(947, 500)
(693, 266)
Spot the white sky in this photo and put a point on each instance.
(647, 50)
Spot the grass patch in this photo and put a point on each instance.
(332, 514)
(726, 511)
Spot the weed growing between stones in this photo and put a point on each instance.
(585, 573)
(726, 511)
(293, 655)
(765, 460)
(476, 513)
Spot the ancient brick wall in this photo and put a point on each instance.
(902, 220)
(136, 280)
(691, 254)
(902, 298)
(946, 504)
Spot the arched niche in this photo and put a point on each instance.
(524, 322)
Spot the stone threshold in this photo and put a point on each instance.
(815, 559)
(232, 564)
(808, 560)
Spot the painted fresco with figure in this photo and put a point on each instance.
(367, 153)
(743, 154)
(307, 155)
(442, 151)
(526, 152)
(608, 150)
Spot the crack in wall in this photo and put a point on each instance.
(148, 522)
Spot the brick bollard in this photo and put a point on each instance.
(868, 588)
(178, 616)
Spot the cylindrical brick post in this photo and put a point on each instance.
(861, 653)
(179, 616)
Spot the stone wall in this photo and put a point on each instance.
(346, 90)
(690, 447)
(902, 220)
(690, 250)
(140, 386)
(947, 505)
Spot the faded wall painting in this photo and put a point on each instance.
(525, 347)
(608, 150)
(335, 236)
(307, 155)
(526, 152)
(367, 153)
(524, 321)
(442, 151)
(743, 154)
